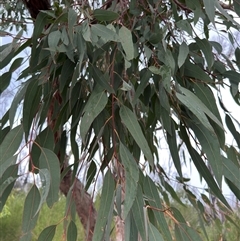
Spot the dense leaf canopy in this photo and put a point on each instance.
(108, 79)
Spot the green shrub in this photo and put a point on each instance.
(11, 219)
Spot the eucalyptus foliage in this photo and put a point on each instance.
(116, 78)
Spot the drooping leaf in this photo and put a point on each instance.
(154, 234)
(198, 108)
(45, 180)
(211, 147)
(48, 160)
(7, 180)
(206, 48)
(236, 4)
(131, 122)
(172, 143)
(11, 143)
(105, 15)
(127, 43)
(72, 232)
(138, 214)
(48, 233)
(104, 33)
(183, 53)
(5, 81)
(107, 198)
(210, 9)
(150, 190)
(95, 105)
(231, 171)
(132, 175)
(30, 216)
(203, 169)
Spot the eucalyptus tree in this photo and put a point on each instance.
(108, 78)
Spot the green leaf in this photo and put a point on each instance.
(17, 99)
(11, 143)
(203, 169)
(48, 233)
(127, 42)
(93, 108)
(72, 19)
(102, 79)
(150, 190)
(183, 53)
(5, 81)
(231, 171)
(205, 94)
(104, 33)
(105, 15)
(206, 48)
(6, 163)
(45, 180)
(236, 4)
(233, 76)
(16, 64)
(210, 9)
(186, 233)
(30, 216)
(172, 143)
(139, 215)
(48, 160)
(233, 130)
(107, 198)
(154, 234)
(195, 105)
(129, 119)
(211, 147)
(53, 40)
(72, 232)
(91, 174)
(7, 181)
(194, 71)
(132, 175)
(31, 105)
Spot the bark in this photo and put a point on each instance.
(83, 201)
(34, 6)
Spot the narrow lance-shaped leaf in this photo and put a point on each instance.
(132, 175)
(7, 181)
(211, 147)
(154, 234)
(29, 213)
(198, 108)
(172, 143)
(183, 53)
(107, 197)
(45, 180)
(231, 171)
(105, 15)
(130, 121)
(210, 9)
(150, 190)
(48, 160)
(127, 43)
(72, 232)
(202, 168)
(48, 233)
(11, 143)
(94, 106)
(206, 48)
(139, 215)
